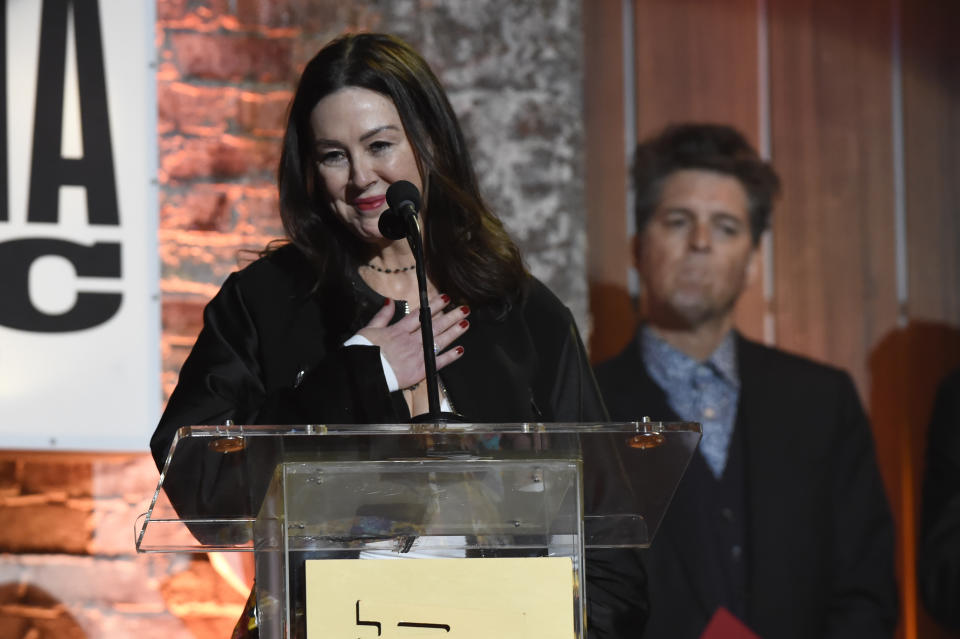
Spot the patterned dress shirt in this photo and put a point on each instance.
(705, 392)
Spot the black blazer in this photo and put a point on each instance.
(819, 533)
(271, 352)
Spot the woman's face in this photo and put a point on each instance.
(361, 149)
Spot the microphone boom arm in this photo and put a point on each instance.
(415, 239)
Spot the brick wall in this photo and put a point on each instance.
(224, 78)
(69, 568)
(223, 84)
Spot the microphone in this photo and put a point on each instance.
(404, 201)
(400, 221)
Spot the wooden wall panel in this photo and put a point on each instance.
(831, 142)
(931, 104)
(835, 236)
(696, 60)
(606, 171)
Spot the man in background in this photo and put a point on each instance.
(780, 519)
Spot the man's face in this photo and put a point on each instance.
(695, 255)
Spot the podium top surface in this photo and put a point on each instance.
(215, 477)
(427, 428)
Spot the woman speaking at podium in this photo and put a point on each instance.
(325, 328)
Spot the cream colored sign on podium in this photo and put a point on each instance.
(526, 598)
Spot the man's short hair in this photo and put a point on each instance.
(712, 147)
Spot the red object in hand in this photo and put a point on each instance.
(725, 625)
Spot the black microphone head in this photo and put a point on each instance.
(391, 225)
(400, 192)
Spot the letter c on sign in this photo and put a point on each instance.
(17, 310)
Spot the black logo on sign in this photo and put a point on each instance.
(49, 170)
(403, 624)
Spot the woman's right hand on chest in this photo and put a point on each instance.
(402, 345)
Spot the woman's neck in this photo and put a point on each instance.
(390, 271)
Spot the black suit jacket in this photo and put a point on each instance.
(819, 534)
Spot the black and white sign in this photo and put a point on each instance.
(79, 281)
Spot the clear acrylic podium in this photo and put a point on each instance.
(411, 491)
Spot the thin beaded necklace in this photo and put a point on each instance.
(390, 270)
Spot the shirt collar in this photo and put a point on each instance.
(670, 366)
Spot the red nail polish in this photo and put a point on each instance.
(445, 298)
(459, 350)
(464, 323)
(387, 301)
(465, 310)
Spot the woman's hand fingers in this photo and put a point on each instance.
(438, 303)
(448, 327)
(400, 342)
(449, 356)
(383, 316)
(412, 321)
(446, 321)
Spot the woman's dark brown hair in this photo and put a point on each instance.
(469, 254)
